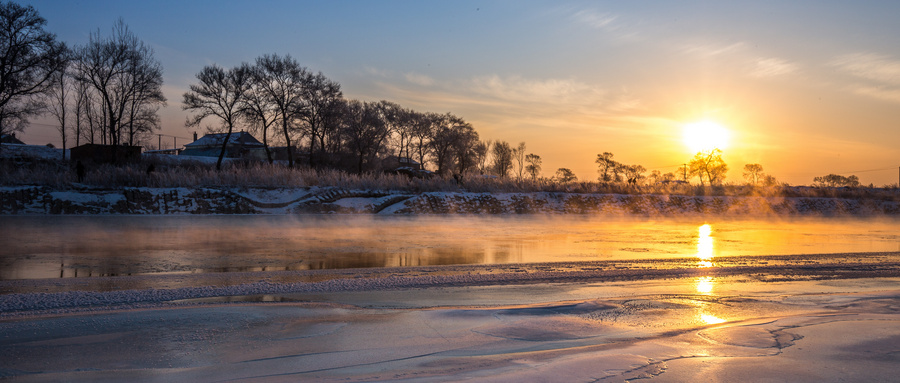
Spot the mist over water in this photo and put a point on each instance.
(76, 246)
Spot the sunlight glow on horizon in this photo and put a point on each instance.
(705, 135)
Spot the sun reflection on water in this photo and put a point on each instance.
(705, 249)
(705, 285)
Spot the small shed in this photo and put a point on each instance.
(105, 154)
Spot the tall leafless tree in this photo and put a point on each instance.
(519, 156)
(124, 74)
(219, 93)
(29, 57)
(58, 105)
(322, 101)
(281, 80)
(502, 154)
(364, 131)
(259, 112)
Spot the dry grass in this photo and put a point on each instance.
(168, 174)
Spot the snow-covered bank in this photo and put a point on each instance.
(135, 200)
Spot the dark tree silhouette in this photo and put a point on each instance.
(282, 81)
(220, 93)
(58, 105)
(322, 107)
(502, 154)
(29, 57)
(465, 144)
(534, 165)
(127, 78)
(364, 131)
(565, 175)
(607, 167)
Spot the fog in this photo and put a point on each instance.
(86, 246)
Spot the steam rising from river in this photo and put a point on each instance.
(70, 246)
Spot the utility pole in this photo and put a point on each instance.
(159, 144)
(684, 167)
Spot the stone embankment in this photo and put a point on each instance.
(36, 200)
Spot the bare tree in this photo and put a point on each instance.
(259, 112)
(565, 175)
(441, 144)
(607, 167)
(282, 80)
(709, 164)
(634, 173)
(423, 128)
(29, 57)
(365, 131)
(502, 154)
(753, 173)
(534, 165)
(127, 78)
(58, 106)
(465, 141)
(482, 149)
(220, 93)
(322, 105)
(519, 157)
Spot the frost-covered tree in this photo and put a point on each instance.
(534, 165)
(753, 173)
(502, 154)
(565, 175)
(709, 164)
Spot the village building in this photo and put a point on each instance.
(240, 145)
(10, 139)
(392, 162)
(105, 154)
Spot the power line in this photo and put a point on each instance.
(871, 170)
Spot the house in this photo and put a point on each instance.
(10, 139)
(105, 154)
(390, 163)
(240, 145)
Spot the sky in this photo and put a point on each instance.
(804, 88)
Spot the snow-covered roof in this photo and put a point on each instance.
(215, 139)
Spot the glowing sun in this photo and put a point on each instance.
(705, 135)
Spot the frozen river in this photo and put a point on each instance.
(85, 246)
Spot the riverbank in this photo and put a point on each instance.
(40, 200)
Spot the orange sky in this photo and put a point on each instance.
(805, 88)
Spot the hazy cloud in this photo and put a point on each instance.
(546, 91)
(886, 94)
(419, 79)
(710, 50)
(870, 66)
(376, 72)
(594, 19)
(772, 67)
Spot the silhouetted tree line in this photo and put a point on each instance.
(836, 180)
(286, 104)
(106, 91)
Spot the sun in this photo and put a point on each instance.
(705, 136)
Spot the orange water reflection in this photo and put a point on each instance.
(705, 245)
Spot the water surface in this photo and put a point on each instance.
(83, 246)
